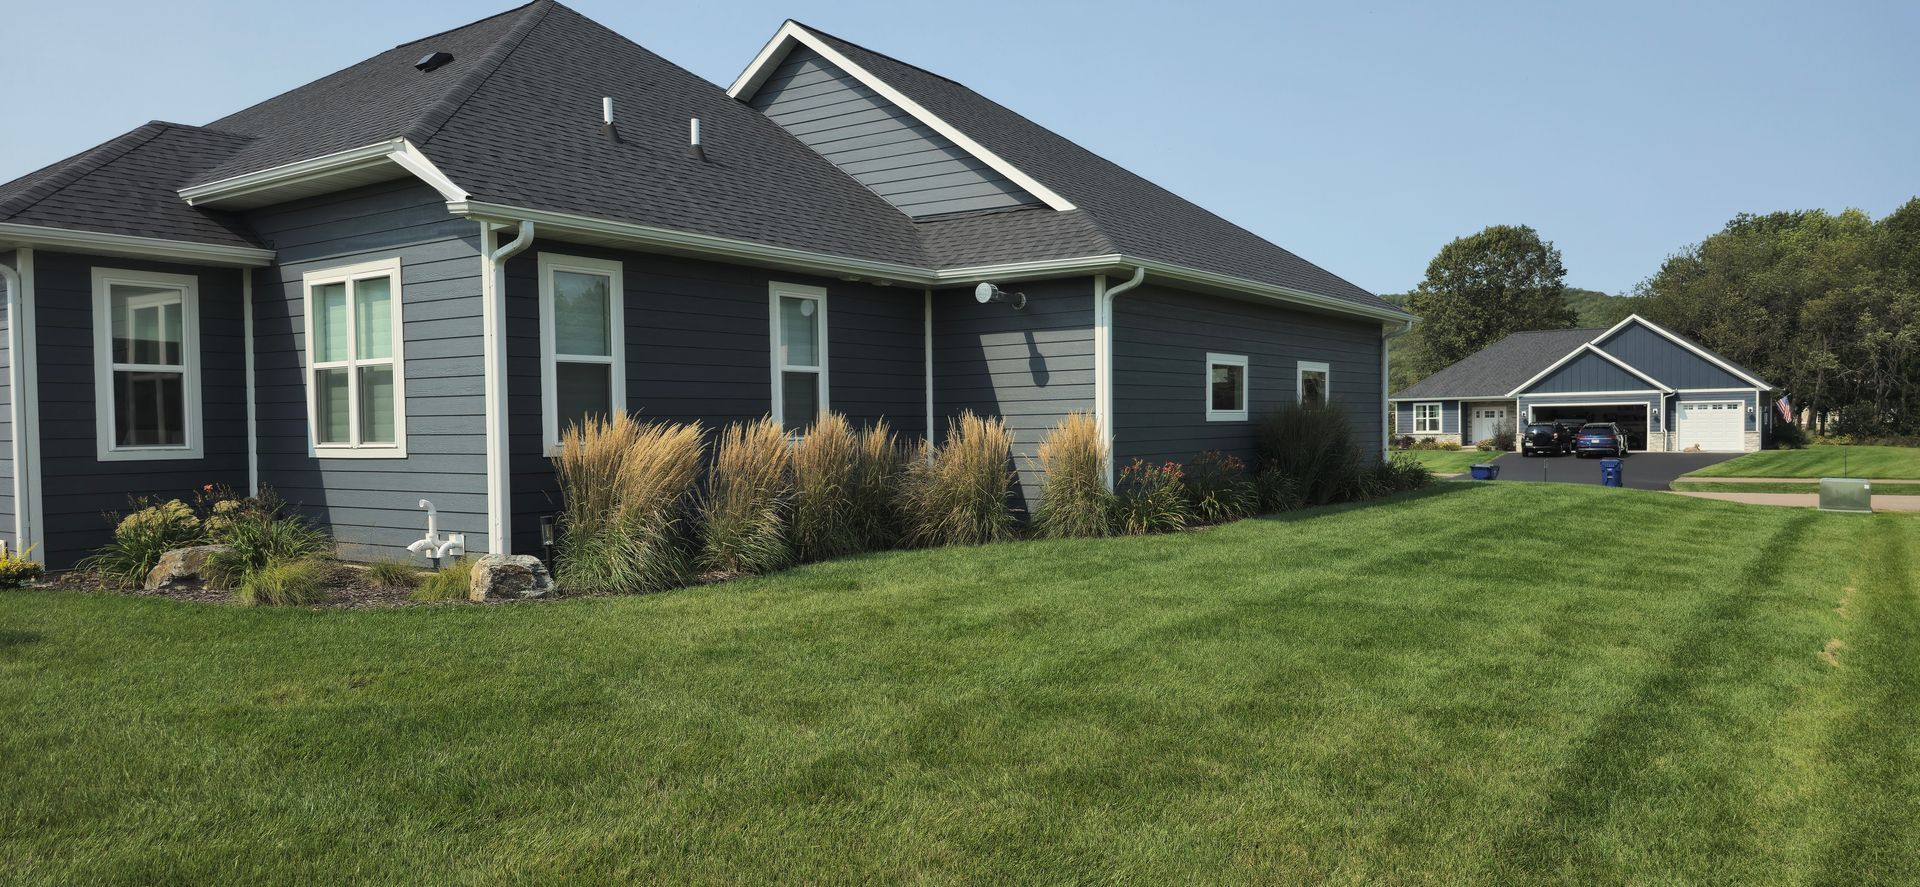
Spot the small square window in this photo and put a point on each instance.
(1226, 388)
(1315, 383)
(1426, 418)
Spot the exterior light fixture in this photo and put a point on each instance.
(987, 292)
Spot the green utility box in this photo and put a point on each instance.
(1846, 494)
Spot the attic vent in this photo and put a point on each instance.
(433, 60)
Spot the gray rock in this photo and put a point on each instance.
(182, 567)
(510, 577)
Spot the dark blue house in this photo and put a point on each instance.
(405, 279)
(1666, 391)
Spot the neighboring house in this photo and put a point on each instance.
(1667, 392)
(406, 279)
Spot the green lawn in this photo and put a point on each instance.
(1893, 463)
(1450, 461)
(1709, 486)
(1499, 683)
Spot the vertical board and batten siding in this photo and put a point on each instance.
(1032, 366)
(1662, 358)
(1161, 338)
(1449, 416)
(372, 505)
(699, 348)
(7, 505)
(881, 146)
(78, 488)
(1589, 372)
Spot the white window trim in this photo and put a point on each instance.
(1300, 372)
(1246, 387)
(777, 358)
(549, 350)
(1437, 422)
(344, 274)
(103, 365)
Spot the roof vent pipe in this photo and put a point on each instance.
(606, 110)
(694, 148)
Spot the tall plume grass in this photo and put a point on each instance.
(958, 494)
(627, 487)
(743, 515)
(1076, 500)
(880, 469)
(825, 471)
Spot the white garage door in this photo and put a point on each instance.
(1713, 427)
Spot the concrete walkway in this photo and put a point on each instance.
(1805, 500)
(1694, 479)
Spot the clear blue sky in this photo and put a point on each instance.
(1361, 135)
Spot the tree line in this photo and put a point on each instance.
(1824, 305)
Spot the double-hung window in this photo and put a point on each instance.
(1314, 386)
(1226, 388)
(582, 342)
(146, 365)
(1426, 418)
(799, 354)
(356, 379)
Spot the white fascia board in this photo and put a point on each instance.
(411, 159)
(1702, 353)
(890, 272)
(792, 32)
(67, 239)
(286, 174)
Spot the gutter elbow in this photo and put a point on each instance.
(519, 243)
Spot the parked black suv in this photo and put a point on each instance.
(1551, 438)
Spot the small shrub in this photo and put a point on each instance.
(1313, 445)
(392, 573)
(140, 538)
(257, 531)
(1150, 499)
(627, 488)
(1218, 489)
(1404, 442)
(19, 569)
(452, 582)
(880, 467)
(1076, 500)
(285, 584)
(958, 494)
(1787, 436)
(1502, 439)
(825, 464)
(1279, 491)
(743, 516)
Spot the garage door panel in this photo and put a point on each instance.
(1713, 426)
(1633, 418)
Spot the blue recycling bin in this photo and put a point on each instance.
(1611, 473)
(1485, 471)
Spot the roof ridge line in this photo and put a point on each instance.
(442, 110)
(94, 158)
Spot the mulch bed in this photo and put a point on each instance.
(348, 590)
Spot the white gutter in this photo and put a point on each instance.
(493, 321)
(1103, 356)
(128, 245)
(363, 157)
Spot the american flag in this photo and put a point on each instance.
(1785, 408)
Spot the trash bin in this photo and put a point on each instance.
(1610, 473)
(1486, 471)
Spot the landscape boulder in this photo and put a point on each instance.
(510, 577)
(182, 567)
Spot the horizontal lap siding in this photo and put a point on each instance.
(1161, 338)
(878, 144)
(699, 348)
(1032, 366)
(77, 488)
(1449, 417)
(372, 505)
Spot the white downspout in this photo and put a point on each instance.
(18, 454)
(253, 421)
(493, 319)
(1103, 297)
(927, 351)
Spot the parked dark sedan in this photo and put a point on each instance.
(1600, 439)
(1551, 438)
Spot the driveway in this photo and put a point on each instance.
(1644, 471)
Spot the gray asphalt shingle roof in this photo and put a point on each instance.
(515, 119)
(1499, 368)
